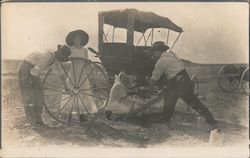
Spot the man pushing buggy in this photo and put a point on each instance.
(179, 84)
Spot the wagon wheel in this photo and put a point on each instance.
(245, 81)
(228, 78)
(88, 95)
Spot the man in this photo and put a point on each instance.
(179, 84)
(30, 85)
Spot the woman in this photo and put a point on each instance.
(120, 103)
(82, 104)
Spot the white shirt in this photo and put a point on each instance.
(43, 61)
(168, 64)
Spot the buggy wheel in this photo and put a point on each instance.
(88, 95)
(228, 78)
(245, 81)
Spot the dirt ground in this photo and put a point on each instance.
(146, 131)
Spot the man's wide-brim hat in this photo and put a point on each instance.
(159, 45)
(82, 34)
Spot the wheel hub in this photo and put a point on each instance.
(75, 91)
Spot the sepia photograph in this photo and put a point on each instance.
(125, 79)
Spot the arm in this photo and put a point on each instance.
(153, 83)
(63, 79)
(156, 75)
(60, 73)
(42, 63)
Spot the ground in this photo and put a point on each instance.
(147, 131)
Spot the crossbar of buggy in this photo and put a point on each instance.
(108, 31)
(168, 36)
(140, 39)
(152, 36)
(105, 36)
(113, 34)
(175, 41)
(149, 36)
(145, 40)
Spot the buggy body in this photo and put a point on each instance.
(128, 56)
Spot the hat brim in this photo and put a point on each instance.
(83, 35)
(162, 48)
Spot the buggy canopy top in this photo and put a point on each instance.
(142, 20)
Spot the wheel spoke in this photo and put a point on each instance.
(92, 95)
(83, 104)
(60, 110)
(99, 76)
(78, 82)
(66, 74)
(235, 81)
(85, 78)
(100, 80)
(100, 88)
(70, 113)
(94, 73)
(74, 72)
(47, 88)
(103, 94)
(101, 100)
(57, 102)
(53, 84)
(78, 106)
(53, 94)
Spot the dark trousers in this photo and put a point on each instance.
(181, 86)
(31, 92)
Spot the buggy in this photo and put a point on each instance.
(130, 56)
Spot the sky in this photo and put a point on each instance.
(213, 32)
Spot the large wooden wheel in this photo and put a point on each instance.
(228, 78)
(88, 95)
(245, 81)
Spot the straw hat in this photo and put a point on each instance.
(84, 36)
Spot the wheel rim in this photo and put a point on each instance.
(228, 81)
(89, 89)
(245, 81)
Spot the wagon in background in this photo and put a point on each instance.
(230, 77)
